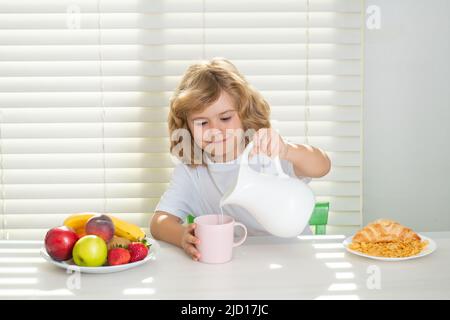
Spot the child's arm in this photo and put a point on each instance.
(167, 227)
(308, 161)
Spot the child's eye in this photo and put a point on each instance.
(226, 119)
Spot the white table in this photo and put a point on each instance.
(262, 268)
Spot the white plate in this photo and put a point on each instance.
(70, 265)
(428, 249)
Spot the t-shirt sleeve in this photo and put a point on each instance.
(178, 197)
(288, 168)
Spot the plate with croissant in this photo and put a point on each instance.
(390, 241)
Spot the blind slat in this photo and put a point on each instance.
(192, 20)
(83, 84)
(344, 218)
(131, 175)
(159, 129)
(173, 68)
(59, 160)
(153, 114)
(47, 221)
(177, 36)
(89, 161)
(158, 6)
(130, 190)
(78, 150)
(122, 152)
(129, 205)
(178, 52)
(160, 99)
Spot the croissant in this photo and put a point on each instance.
(385, 231)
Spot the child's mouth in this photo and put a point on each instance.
(218, 141)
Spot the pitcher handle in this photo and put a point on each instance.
(278, 167)
(238, 224)
(276, 159)
(246, 152)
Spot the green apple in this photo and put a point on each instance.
(90, 251)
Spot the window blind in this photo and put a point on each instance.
(85, 85)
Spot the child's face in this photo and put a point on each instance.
(216, 128)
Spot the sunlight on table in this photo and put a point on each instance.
(329, 259)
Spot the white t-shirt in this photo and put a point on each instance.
(191, 190)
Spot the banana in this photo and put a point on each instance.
(77, 221)
(127, 230)
(122, 228)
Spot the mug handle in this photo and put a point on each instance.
(238, 224)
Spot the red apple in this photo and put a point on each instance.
(100, 225)
(59, 243)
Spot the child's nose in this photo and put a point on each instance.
(212, 133)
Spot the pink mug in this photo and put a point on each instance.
(216, 239)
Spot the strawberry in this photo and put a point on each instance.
(118, 256)
(138, 251)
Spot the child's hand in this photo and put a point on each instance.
(188, 242)
(269, 142)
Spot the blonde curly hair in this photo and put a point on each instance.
(201, 86)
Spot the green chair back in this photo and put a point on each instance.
(190, 219)
(319, 217)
